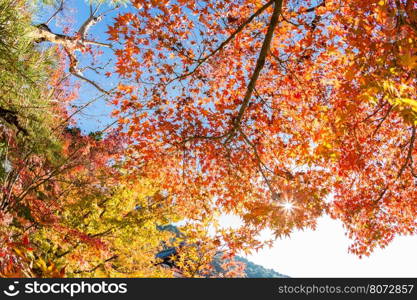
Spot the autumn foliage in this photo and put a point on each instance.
(274, 111)
(256, 103)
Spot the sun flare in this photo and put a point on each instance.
(288, 206)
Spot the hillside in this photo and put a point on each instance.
(253, 270)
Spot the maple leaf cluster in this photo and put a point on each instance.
(243, 106)
(276, 112)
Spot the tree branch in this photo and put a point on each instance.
(71, 44)
(200, 61)
(407, 162)
(410, 151)
(259, 66)
(60, 8)
(11, 117)
(97, 266)
(78, 75)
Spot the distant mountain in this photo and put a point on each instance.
(253, 270)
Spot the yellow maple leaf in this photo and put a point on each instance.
(409, 61)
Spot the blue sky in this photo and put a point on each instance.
(320, 253)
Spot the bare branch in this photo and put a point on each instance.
(85, 27)
(78, 75)
(93, 20)
(71, 44)
(60, 8)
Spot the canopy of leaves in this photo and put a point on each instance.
(257, 106)
(272, 111)
(65, 207)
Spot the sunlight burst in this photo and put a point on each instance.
(288, 206)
